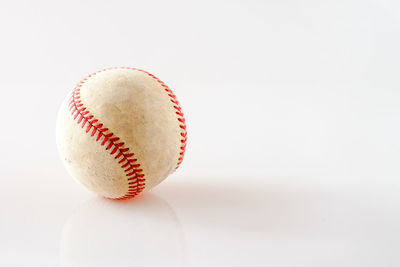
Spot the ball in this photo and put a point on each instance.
(120, 132)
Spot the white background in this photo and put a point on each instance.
(293, 117)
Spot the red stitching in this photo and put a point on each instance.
(178, 108)
(135, 175)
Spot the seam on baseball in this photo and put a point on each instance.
(178, 112)
(135, 175)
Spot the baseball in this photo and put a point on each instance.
(121, 132)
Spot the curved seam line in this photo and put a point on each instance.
(178, 112)
(135, 176)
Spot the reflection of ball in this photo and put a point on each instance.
(140, 233)
(121, 131)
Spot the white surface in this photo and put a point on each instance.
(293, 119)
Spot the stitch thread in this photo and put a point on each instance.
(178, 111)
(135, 176)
